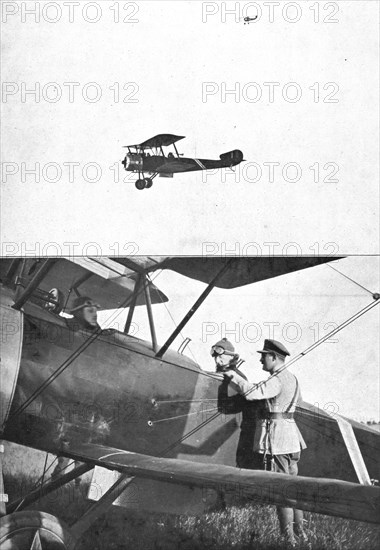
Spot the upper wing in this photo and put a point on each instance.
(161, 140)
(109, 283)
(324, 496)
(241, 271)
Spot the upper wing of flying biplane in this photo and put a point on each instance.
(161, 140)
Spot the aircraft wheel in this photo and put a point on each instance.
(33, 530)
(140, 184)
(148, 182)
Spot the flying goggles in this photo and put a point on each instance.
(82, 303)
(219, 350)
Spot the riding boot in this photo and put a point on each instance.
(286, 517)
(298, 525)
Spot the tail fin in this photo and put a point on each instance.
(232, 157)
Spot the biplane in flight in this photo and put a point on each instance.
(139, 411)
(248, 20)
(149, 158)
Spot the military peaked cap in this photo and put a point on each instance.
(272, 346)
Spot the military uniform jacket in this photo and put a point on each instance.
(281, 392)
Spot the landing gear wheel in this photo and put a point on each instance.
(140, 184)
(148, 182)
(33, 530)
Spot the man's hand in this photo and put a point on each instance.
(228, 374)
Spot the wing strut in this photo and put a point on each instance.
(131, 311)
(32, 285)
(46, 489)
(354, 451)
(101, 506)
(150, 314)
(191, 312)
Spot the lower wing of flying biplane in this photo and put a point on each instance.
(149, 158)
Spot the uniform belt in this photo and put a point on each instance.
(276, 415)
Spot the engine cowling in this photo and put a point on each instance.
(133, 162)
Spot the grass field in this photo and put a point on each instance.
(239, 527)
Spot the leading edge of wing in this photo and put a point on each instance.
(161, 140)
(320, 495)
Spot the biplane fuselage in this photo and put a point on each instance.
(248, 20)
(117, 393)
(149, 158)
(167, 166)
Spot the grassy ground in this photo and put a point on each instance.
(239, 527)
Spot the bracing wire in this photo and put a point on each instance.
(349, 278)
(285, 366)
(318, 343)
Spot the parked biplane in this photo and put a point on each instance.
(137, 408)
(149, 158)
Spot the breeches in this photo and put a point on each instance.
(284, 464)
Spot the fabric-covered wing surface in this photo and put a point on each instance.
(241, 270)
(325, 496)
(161, 140)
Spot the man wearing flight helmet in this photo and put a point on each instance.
(224, 354)
(85, 314)
(277, 438)
(226, 359)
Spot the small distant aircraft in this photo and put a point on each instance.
(149, 158)
(247, 19)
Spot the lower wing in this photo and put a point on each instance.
(325, 496)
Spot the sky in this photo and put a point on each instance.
(340, 376)
(296, 91)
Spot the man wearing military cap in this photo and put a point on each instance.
(85, 314)
(277, 438)
(272, 346)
